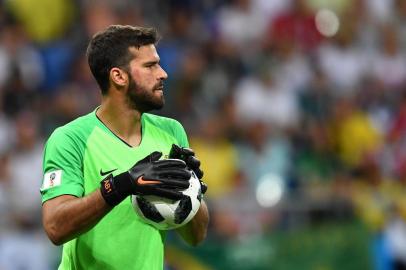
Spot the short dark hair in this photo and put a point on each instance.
(110, 48)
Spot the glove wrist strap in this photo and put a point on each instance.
(111, 191)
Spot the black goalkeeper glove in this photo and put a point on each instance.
(188, 156)
(149, 176)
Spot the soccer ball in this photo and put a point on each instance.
(166, 214)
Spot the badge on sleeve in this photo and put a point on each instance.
(52, 179)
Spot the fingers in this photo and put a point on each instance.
(175, 151)
(192, 162)
(199, 173)
(170, 163)
(203, 187)
(174, 174)
(187, 151)
(180, 152)
(174, 184)
(154, 156)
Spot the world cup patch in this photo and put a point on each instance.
(52, 179)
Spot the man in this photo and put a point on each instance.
(94, 163)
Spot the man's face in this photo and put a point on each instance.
(146, 77)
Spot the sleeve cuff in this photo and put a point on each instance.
(48, 194)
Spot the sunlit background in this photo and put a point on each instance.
(296, 108)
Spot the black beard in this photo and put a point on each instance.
(142, 100)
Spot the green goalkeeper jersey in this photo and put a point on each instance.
(77, 157)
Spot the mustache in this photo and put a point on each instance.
(159, 85)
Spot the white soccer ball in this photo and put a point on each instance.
(166, 214)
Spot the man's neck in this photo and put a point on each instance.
(121, 120)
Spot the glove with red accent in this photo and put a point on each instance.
(149, 176)
(188, 156)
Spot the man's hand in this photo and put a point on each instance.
(149, 176)
(188, 156)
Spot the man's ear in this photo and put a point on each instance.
(118, 77)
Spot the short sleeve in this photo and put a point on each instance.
(62, 166)
(180, 134)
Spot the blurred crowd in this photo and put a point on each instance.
(296, 108)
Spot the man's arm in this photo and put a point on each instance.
(65, 217)
(195, 231)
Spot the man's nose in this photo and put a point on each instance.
(162, 74)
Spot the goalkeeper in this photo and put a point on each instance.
(92, 164)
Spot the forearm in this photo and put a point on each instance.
(66, 217)
(195, 231)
